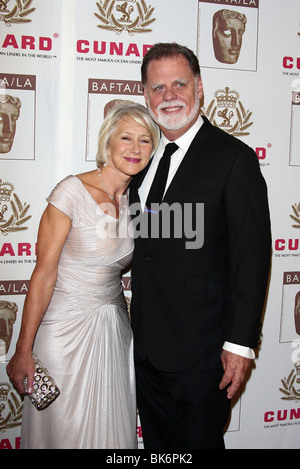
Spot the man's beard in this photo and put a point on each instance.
(175, 122)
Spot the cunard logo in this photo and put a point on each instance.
(10, 408)
(296, 215)
(13, 213)
(133, 16)
(19, 12)
(228, 113)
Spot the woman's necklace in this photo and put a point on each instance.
(106, 190)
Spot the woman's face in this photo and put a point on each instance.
(129, 147)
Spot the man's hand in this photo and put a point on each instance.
(235, 367)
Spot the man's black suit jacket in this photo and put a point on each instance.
(187, 302)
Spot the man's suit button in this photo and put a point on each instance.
(147, 259)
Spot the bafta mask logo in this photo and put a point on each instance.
(115, 102)
(132, 16)
(228, 29)
(9, 113)
(19, 12)
(8, 316)
(227, 112)
(13, 213)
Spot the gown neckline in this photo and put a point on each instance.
(98, 205)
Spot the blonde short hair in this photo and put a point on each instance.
(134, 111)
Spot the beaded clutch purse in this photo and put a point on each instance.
(45, 390)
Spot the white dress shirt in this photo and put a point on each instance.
(176, 158)
(183, 143)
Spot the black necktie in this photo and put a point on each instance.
(158, 186)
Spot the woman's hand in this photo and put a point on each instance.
(21, 366)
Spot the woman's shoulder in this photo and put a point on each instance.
(64, 195)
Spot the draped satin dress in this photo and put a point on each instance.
(85, 338)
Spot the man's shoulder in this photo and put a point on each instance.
(219, 135)
(221, 148)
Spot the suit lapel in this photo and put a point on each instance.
(191, 157)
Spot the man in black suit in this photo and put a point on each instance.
(196, 303)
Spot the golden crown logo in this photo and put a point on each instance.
(18, 14)
(226, 98)
(11, 408)
(132, 16)
(228, 113)
(296, 215)
(13, 214)
(6, 189)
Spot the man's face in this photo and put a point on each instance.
(173, 95)
(227, 39)
(9, 114)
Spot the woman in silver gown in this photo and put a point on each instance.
(75, 318)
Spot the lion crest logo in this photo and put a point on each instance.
(133, 16)
(13, 213)
(227, 112)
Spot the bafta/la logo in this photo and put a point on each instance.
(227, 112)
(133, 16)
(18, 14)
(13, 213)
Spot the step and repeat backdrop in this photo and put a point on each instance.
(63, 63)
